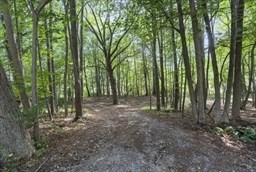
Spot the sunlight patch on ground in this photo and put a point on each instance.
(67, 119)
(122, 106)
(90, 114)
(96, 110)
(228, 142)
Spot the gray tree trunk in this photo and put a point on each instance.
(217, 108)
(14, 139)
(199, 64)
(186, 59)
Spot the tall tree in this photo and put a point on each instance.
(110, 32)
(233, 8)
(74, 52)
(199, 65)
(251, 75)
(14, 54)
(238, 61)
(185, 55)
(35, 13)
(217, 109)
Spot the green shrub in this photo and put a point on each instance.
(248, 134)
(245, 134)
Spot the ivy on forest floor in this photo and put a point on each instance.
(244, 134)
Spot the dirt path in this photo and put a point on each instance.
(123, 139)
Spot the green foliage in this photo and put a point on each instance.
(41, 146)
(11, 163)
(218, 130)
(28, 116)
(245, 134)
(248, 134)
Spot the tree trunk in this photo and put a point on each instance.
(65, 92)
(49, 68)
(74, 52)
(243, 105)
(238, 59)
(81, 52)
(36, 134)
(217, 110)
(145, 72)
(112, 81)
(155, 69)
(186, 59)
(199, 64)
(13, 137)
(231, 59)
(14, 55)
(161, 56)
(176, 73)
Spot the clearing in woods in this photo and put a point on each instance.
(123, 138)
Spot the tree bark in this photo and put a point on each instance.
(238, 60)
(243, 105)
(217, 108)
(74, 52)
(176, 73)
(155, 69)
(145, 72)
(186, 60)
(231, 59)
(199, 64)
(14, 139)
(161, 56)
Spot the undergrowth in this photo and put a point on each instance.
(244, 134)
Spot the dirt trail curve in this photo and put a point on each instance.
(127, 140)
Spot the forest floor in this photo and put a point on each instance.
(125, 138)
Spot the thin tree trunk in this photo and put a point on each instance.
(81, 53)
(231, 59)
(145, 70)
(50, 72)
(217, 110)
(243, 105)
(186, 60)
(36, 134)
(155, 69)
(65, 93)
(14, 56)
(199, 64)
(161, 56)
(176, 72)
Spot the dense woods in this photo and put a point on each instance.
(55, 54)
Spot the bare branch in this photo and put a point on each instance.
(119, 52)
(121, 61)
(119, 41)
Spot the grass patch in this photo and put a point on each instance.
(155, 112)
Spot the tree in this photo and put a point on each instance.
(14, 54)
(199, 59)
(14, 139)
(238, 61)
(110, 32)
(186, 60)
(35, 13)
(74, 52)
(217, 110)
